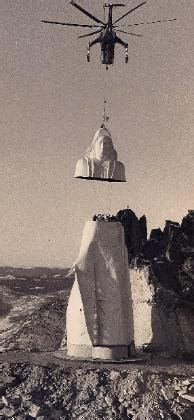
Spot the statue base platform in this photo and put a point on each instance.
(99, 352)
(100, 358)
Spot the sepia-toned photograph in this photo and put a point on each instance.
(97, 210)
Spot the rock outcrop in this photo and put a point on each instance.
(163, 323)
(135, 231)
(162, 279)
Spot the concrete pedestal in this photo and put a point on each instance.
(111, 353)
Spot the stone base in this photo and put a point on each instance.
(79, 351)
(101, 352)
(111, 353)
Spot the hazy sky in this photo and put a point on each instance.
(51, 106)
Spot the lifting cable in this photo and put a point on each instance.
(110, 196)
(105, 117)
(104, 121)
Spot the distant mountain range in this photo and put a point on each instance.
(39, 272)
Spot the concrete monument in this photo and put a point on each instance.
(99, 314)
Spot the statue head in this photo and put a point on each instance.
(102, 148)
(100, 160)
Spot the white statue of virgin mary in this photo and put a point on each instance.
(100, 160)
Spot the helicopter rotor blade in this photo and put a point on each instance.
(86, 12)
(146, 23)
(130, 11)
(129, 33)
(91, 33)
(70, 24)
(116, 5)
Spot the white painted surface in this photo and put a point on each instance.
(149, 322)
(100, 297)
(142, 297)
(77, 333)
(100, 160)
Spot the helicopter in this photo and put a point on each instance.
(107, 30)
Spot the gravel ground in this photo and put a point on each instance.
(43, 386)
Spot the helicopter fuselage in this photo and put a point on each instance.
(108, 40)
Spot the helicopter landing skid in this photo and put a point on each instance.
(88, 55)
(126, 55)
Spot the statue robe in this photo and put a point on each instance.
(99, 311)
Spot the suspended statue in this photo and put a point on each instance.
(100, 160)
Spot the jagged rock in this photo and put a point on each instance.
(109, 400)
(153, 249)
(1, 405)
(186, 287)
(186, 382)
(175, 246)
(187, 227)
(166, 274)
(170, 226)
(5, 401)
(185, 280)
(143, 229)
(7, 413)
(188, 267)
(156, 235)
(135, 231)
(34, 410)
(187, 398)
(191, 389)
(114, 375)
(168, 393)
